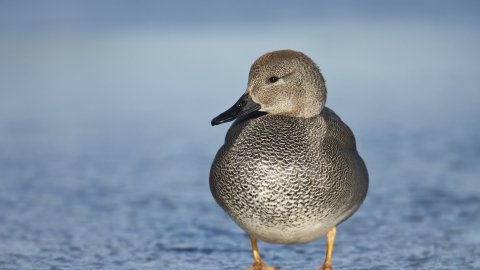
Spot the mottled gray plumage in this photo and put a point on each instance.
(291, 172)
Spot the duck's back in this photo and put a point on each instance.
(289, 179)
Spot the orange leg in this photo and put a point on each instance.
(257, 261)
(327, 265)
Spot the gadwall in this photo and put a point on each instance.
(289, 171)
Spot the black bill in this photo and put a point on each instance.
(242, 107)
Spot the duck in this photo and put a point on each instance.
(289, 171)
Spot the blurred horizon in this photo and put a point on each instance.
(389, 45)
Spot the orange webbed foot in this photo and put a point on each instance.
(325, 267)
(257, 261)
(261, 266)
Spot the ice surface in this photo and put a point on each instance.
(106, 143)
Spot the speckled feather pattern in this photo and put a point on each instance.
(289, 179)
(290, 172)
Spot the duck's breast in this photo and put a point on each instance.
(286, 179)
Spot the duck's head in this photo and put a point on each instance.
(281, 83)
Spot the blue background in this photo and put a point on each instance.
(106, 143)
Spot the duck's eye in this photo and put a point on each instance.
(273, 79)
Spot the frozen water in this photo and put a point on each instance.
(106, 143)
